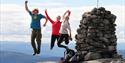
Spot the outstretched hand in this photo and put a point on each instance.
(68, 11)
(26, 2)
(45, 10)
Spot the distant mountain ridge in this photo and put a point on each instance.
(15, 57)
(20, 51)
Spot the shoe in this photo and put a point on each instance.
(51, 48)
(34, 53)
(38, 52)
(67, 48)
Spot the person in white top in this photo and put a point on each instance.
(65, 29)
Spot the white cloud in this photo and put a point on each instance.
(10, 7)
(48, 4)
(15, 20)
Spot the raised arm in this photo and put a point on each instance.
(64, 15)
(48, 17)
(45, 21)
(26, 7)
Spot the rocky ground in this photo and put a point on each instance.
(105, 61)
(48, 62)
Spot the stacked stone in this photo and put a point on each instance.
(96, 37)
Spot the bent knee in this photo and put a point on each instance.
(58, 44)
(38, 40)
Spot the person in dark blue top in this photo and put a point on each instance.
(36, 28)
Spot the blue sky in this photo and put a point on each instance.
(69, 2)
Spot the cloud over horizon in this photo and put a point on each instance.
(16, 22)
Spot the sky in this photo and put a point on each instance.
(68, 2)
(15, 21)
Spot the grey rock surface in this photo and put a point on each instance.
(96, 35)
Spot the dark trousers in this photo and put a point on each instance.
(63, 37)
(53, 39)
(36, 35)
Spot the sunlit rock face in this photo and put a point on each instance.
(95, 38)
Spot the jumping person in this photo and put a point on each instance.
(65, 27)
(36, 28)
(55, 29)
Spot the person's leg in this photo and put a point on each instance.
(38, 39)
(53, 39)
(66, 39)
(57, 37)
(33, 36)
(60, 41)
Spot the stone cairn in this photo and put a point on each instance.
(96, 37)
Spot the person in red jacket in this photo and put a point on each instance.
(55, 29)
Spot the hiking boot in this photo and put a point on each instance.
(34, 53)
(38, 52)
